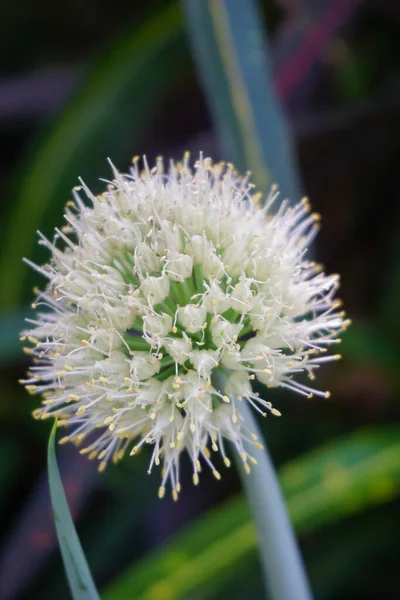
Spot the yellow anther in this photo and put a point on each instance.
(216, 474)
(227, 462)
(276, 412)
(195, 479)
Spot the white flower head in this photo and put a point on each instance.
(162, 280)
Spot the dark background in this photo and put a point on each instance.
(337, 75)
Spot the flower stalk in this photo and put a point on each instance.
(281, 562)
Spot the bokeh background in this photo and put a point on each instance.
(80, 82)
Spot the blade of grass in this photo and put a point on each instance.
(230, 50)
(107, 117)
(78, 573)
(330, 483)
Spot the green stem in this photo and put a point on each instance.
(166, 306)
(283, 569)
(281, 562)
(165, 373)
(175, 294)
(136, 342)
(198, 276)
(167, 361)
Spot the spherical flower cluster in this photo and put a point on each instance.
(162, 283)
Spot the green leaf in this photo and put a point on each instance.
(230, 49)
(107, 117)
(328, 484)
(365, 343)
(78, 573)
(11, 326)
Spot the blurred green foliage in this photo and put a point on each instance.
(107, 117)
(343, 477)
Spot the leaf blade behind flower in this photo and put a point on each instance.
(232, 59)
